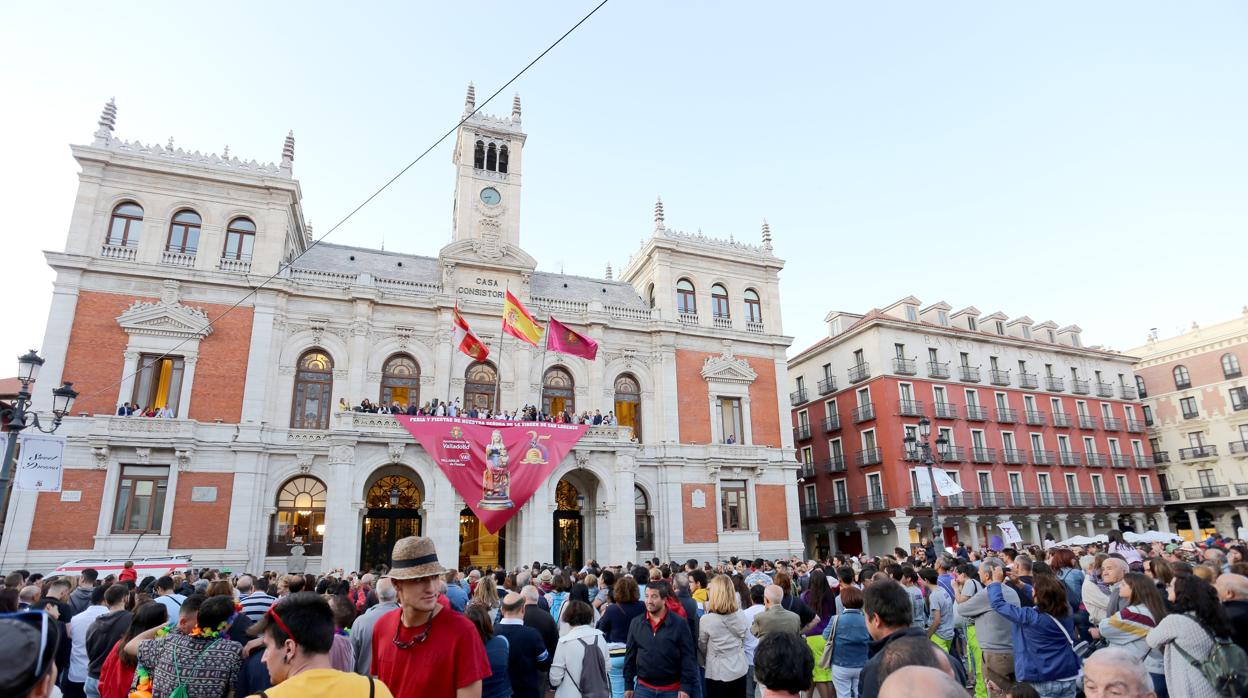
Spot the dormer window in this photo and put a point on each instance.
(942, 318)
(972, 324)
(1026, 332)
(911, 314)
(1000, 327)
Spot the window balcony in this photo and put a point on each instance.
(1206, 492)
(835, 464)
(997, 377)
(178, 259)
(905, 367)
(1097, 460)
(807, 471)
(937, 369)
(859, 373)
(688, 318)
(1102, 499)
(237, 266)
(1135, 426)
(946, 410)
(1182, 385)
(810, 510)
(869, 456)
(990, 500)
(1005, 415)
(911, 453)
(957, 501)
(755, 327)
(1071, 458)
(983, 455)
(123, 253)
(1034, 418)
(1198, 452)
(722, 322)
(863, 413)
(1079, 386)
(1238, 448)
(1128, 393)
(1190, 415)
(1150, 499)
(1013, 456)
(832, 423)
(1054, 384)
(1170, 495)
(1145, 462)
(1104, 389)
(1112, 423)
(1049, 500)
(797, 397)
(910, 408)
(836, 507)
(952, 454)
(1161, 457)
(976, 413)
(827, 385)
(1241, 489)
(1119, 460)
(968, 374)
(1087, 421)
(875, 502)
(1022, 499)
(1061, 419)
(1039, 457)
(1028, 380)
(801, 432)
(1078, 499)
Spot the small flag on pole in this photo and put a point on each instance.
(518, 323)
(466, 340)
(564, 340)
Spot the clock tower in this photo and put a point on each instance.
(488, 164)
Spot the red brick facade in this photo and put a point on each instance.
(201, 524)
(69, 525)
(694, 400)
(773, 512)
(699, 523)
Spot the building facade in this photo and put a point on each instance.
(1196, 409)
(163, 298)
(1040, 430)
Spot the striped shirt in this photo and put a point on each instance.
(1128, 629)
(255, 605)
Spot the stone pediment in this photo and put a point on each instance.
(165, 318)
(727, 368)
(488, 251)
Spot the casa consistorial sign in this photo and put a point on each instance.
(39, 463)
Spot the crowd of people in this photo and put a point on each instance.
(128, 409)
(443, 408)
(1102, 620)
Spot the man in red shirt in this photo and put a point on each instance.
(423, 649)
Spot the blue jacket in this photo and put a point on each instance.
(1042, 651)
(849, 647)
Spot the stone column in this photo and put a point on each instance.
(260, 359)
(1061, 525)
(443, 361)
(972, 523)
(832, 547)
(1140, 521)
(901, 524)
(188, 386)
(129, 373)
(341, 526)
(1162, 520)
(1033, 522)
(358, 365)
(1089, 521)
(866, 537)
(623, 521)
(1243, 518)
(56, 343)
(442, 524)
(1193, 523)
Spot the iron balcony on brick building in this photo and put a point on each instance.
(797, 397)
(952, 454)
(869, 456)
(937, 369)
(834, 465)
(983, 455)
(875, 502)
(801, 432)
(976, 413)
(863, 412)
(1111, 423)
(1061, 419)
(946, 410)
(1119, 460)
(1006, 415)
(1238, 448)
(1097, 460)
(910, 408)
(1135, 426)
(1071, 458)
(1034, 418)
(1198, 452)
(859, 372)
(832, 423)
(1041, 457)
(826, 385)
(1087, 421)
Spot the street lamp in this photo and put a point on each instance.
(17, 418)
(921, 442)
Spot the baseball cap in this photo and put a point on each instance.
(30, 639)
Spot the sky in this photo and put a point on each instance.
(1074, 161)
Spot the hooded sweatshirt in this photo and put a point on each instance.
(102, 636)
(79, 599)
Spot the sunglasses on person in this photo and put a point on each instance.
(419, 639)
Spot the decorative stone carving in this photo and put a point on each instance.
(457, 384)
(143, 455)
(341, 374)
(166, 318)
(100, 454)
(489, 244)
(712, 471)
(727, 368)
(582, 458)
(427, 380)
(341, 454)
(698, 499)
(374, 375)
(395, 451)
(448, 276)
(361, 328)
(304, 461)
(184, 460)
(286, 370)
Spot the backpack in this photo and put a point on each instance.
(556, 603)
(594, 682)
(1226, 667)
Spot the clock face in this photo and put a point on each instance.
(490, 196)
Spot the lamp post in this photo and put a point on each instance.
(17, 418)
(921, 442)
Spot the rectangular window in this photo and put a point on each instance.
(1148, 415)
(1037, 442)
(1000, 327)
(836, 450)
(1048, 370)
(993, 363)
(1188, 405)
(1207, 478)
(1146, 485)
(977, 439)
(964, 358)
(868, 440)
(933, 355)
(801, 383)
(158, 384)
(873, 486)
(1002, 403)
(140, 499)
(899, 350)
(858, 357)
(840, 491)
(1196, 439)
(1046, 488)
(972, 324)
(1081, 408)
(1063, 443)
(911, 314)
(1239, 399)
(1056, 405)
(827, 371)
(1089, 445)
(1098, 485)
(972, 398)
(1106, 412)
(938, 395)
(803, 420)
(1029, 403)
(812, 501)
(1113, 448)
(942, 318)
(808, 455)
(730, 420)
(733, 505)
(1022, 366)
(1121, 482)
(864, 397)
(947, 434)
(985, 481)
(1007, 440)
(1137, 448)
(1026, 332)
(906, 391)
(1016, 483)
(1072, 483)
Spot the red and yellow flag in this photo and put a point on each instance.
(465, 340)
(518, 323)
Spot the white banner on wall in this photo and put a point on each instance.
(39, 465)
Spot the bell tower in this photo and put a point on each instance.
(488, 164)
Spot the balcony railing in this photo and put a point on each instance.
(827, 385)
(834, 464)
(937, 369)
(1191, 415)
(1097, 460)
(1238, 448)
(1054, 384)
(1049, 500)
(1145, 462)
(998, 377)
(989, 500)
(1198, 452)
(1129, 499)
(976, 413)
(1102, 499)
(869, 456)
(860, 372)
(1104, 389)
(1035, 418)
(952, 454)
(1128, 393)
(1087, 421)
(1078, 499)
(1119, 460)
(910, 408)
(241, 266)
(1182, 385)
(875, 502)
(969, 374)
(1022, 499)
(1071, 458)
(178, 259)
(1161, 457)
(905, 367)
(832, 423)
(863, 412)
(1112, 423)
(1169, 495)
(125, 253)
(688, 318)
(801, 432)
(1006, 415)
(1134, 426)
(1040, 457)
(836, 507)
(1078, 386)
(1028, 380)
(750, 326)
(722, 322)
(957, 501)
(810, 510)
(1061, 419)
(946, 410)
(1241, 489)
(797, 397)
(983, 455)
(911, 453)
(807, 471)
(1206, 491)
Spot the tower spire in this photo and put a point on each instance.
(107, 122)
(609, 274)
(470, 100)
(515, 108)
(288, 152)
(658, 214)
(766, 235)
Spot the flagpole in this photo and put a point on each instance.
(542, 365)
(498, 384)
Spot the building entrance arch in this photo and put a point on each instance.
(575, 519)
(394, 509)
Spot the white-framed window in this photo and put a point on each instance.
(868, 439)
(1003, 403)
(1089, 445)
(1106, 412)
(1113, 448)
(1007, 441)
(972, 398)
(835, 450)
(808, 455)
(1055, 404)
(984, 478)
(874, 488)
(803, 419)
(977, 439)
(947, 433)
(1029, 403)
(1137, 448)
(906, 392)
(811, 499)
(864, 397)
(1072, 483)
(840, 490)
(1063, 443)
(1037, 441)
(1121, 482)
(1098, 484)
(1081, 408)
(1146, 485)
(938, 395)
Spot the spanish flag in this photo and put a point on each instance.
(518, 323)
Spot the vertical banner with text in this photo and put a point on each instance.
(39, 465)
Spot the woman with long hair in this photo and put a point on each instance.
(486, 594)
(822, 600)
(578, 592)
(1141, 609)
(498, 685)
(1043, 636)
(721, 642)
(118, 671)
(1187, 635)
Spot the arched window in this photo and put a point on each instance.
(628, 403)
(686, 300)
(393, 492)
(184, 232)
(719, 301)
(126, 225)
(300, 517)
(650, 295)
(558, 391)
(480, 382)
(240, 237)
(1230, 367)
(1139, 386)
(314, 378)
(502, 159)
(478, 156)
(753, 306)
(1182, 379)
(644, 522)
(400, 381)
(491, 158)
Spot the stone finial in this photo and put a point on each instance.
(766, 235)
(288, 151)
(1195, 326)
(609, 274)
(307, 232)
(107, 123)
(470, 100)
(658, 214)
(515, 107)
(169, 145)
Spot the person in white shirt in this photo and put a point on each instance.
(78, 625)
(751, 642)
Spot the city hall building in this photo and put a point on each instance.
(258, 455)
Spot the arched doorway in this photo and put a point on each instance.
(480, 384)
(393, 502)
(643, 520)
(477, 546)
(299, 518)
(558, 391)
(628, 403)
(400, 381)
(569, 525)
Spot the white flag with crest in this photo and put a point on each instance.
(945, 485)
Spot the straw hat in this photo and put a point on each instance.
(545, 577)
(414, 557)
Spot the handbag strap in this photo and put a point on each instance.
(1061, 627)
